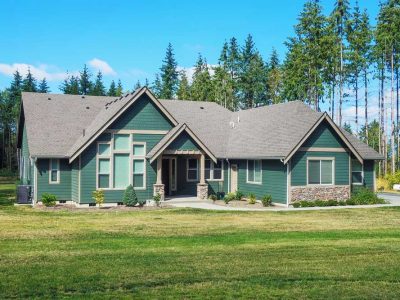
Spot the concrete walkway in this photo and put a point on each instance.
(192, 202)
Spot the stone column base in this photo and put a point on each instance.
(202, 191)
(159, 189)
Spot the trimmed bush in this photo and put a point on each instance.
(98, 197)
(49, 199)
(252, 198)
(157, 199)
(239, 195)
(364, 196)
(229, 197)
(266, 200)
(130, 198)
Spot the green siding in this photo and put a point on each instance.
(183, 142)
(368, 168)
(62, 190)
(274, 180)
(324, 136)
(142, 115)
(88, 172)
(299, 167)
(75, 180)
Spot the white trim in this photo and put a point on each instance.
(136, 95)
(133, 131)
(320, 171)
(187, 170)
(351, 174)
(212, 168)
(288, 183)
(104, 156)
(79, 180)
(35, 192)
(139, 157)
(247, 171)
(322, 149)
(51, 171)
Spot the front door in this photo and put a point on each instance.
(165, 176)
(234, 178)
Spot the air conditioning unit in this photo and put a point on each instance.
(24, 194)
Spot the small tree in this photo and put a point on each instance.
(130, 198)
(157, 199)
(98, 197)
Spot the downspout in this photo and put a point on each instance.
(287, 181)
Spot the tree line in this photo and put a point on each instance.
(333, 60)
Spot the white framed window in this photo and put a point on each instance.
(103, 165)
(213, 171)
(54, 171)
(357, 172)
(192, 169)
(254, 171)
(139, 165)
(320, 171)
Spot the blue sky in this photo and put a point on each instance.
(127, 39)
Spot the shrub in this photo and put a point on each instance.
(157, 199)
(382, 184)
(364, 196)
(229, 197)
(213, 197)
(239, 195)
(141, 202)
(392, 179)
(49, 199)
(296, 204)
(130, 198)
(220, 195)
(252, 198)
(266, 200)
(98, 197)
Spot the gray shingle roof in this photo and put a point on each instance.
(55, 127)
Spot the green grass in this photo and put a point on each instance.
(183, 253)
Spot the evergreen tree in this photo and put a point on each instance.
(85, 84)
(43, 86)
(157, 86)
(98, 88)
(201, 88)
(29, 83)
(137, 85)
(183, 92)
(112, 91)
(274, 79)
(169, 75)
(74, 85)
(371, 135)
(146, 83)
(120, 89)
(347, 127)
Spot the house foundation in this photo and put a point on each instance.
(312, 193)
(159, 189)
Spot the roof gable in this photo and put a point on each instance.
(324, 136)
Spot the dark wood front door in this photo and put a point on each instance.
(165, 176)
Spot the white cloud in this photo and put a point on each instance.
(41, 71)
(102, 66)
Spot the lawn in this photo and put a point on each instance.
(183, 253)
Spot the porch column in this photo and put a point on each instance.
(158, 187)
(202, 167)
(202, 186)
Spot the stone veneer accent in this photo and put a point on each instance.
(202, 191)
(337, 192)
(159, 189)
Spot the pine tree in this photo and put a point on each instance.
(169, 75)
(74, 85)
(43, 86)
(98, 88)
(120, 89)
(157, 86)
(341, 15)
(85, 84)
(112, 91)
(347, 127)
(201, 88)
(137, 85)
(183, 92)
(274, 79)
(29, 83)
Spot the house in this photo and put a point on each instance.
(71, 145)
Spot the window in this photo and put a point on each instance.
(104, 149)
(320, 171)
(104, 173)
(357, 174)
(121, 170)
(121, 142)
(192, 169)
(254, 171)
(139, 165)
(213, 171)
(54, 171)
